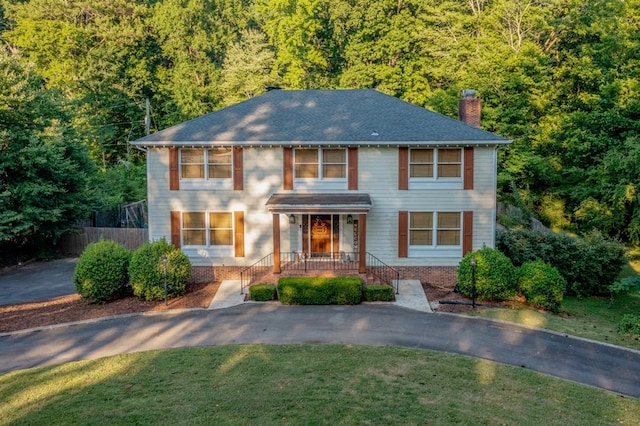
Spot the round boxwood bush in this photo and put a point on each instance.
(101, 273)
(262, 292)
(542, 285)
(146, 271)
(495, 275)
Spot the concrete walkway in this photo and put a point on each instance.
(411, 295)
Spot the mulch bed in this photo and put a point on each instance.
(73, 308)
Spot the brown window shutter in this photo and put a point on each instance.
(403, 168)
(175, 228)
(467, 232)
(238, 230)
(352, 175)
(174, 172)
(403, 233)
(237, 169)
(288, 168)
(468, 168)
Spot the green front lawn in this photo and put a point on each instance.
(301, 384)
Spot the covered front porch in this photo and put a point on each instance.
(323, 229)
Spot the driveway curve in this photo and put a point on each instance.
(605, 366)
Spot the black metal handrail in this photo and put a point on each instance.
(341, 261)
(260, 267)
(383, 272)
(297, 261)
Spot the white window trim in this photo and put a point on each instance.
(437, 182)
(206, 182)
(435, 250)
(208, 250)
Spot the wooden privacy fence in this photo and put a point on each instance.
(131, 238)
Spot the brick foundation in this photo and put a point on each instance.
(438, 276)
(201, 274)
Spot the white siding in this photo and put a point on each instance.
(262, 177)
(378, 177)
(378, 171)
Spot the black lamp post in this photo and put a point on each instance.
(472, 261)
(164, 263)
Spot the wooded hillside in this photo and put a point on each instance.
(559, 77)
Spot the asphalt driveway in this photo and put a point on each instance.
(601, 365)
(597, 364)
(37, 281)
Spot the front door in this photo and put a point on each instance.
(322, 234)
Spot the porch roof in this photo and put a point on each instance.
(320, 203)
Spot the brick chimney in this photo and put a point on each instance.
(469, 108)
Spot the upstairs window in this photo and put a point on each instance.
(435, 163)
(205, 164)
(320, 163)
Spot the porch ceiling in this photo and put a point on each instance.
(320, 203)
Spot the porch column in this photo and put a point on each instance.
(276, 243)
(362, 243)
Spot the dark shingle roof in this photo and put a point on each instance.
(287, 202)
(317, 116)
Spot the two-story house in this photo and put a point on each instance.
(325, 174)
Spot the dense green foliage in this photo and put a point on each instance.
(495, 275)
(558, 77)
(124, 182)
(320, 290)
(102, 272)
(379, 293)
(589, 265)
(262, 292)
(630, 324)
(625, 284)
(542, 285)
(147, 271)
(42, 176)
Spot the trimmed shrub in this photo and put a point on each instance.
(320, 290)
(379, 293)
(542, 285)
(496, 277)
(630, 324)
(262, 292)
(600, 263)
(101, 274)
(625, 284)
(589, 264)
(146, 271)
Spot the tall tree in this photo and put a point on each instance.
(296, 29)
(247, 67)
(194, 35)
(99, 55)
(42, 171)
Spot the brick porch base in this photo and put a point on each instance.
(440, 276)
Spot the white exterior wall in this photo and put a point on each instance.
(262, 177)
(377, 176)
